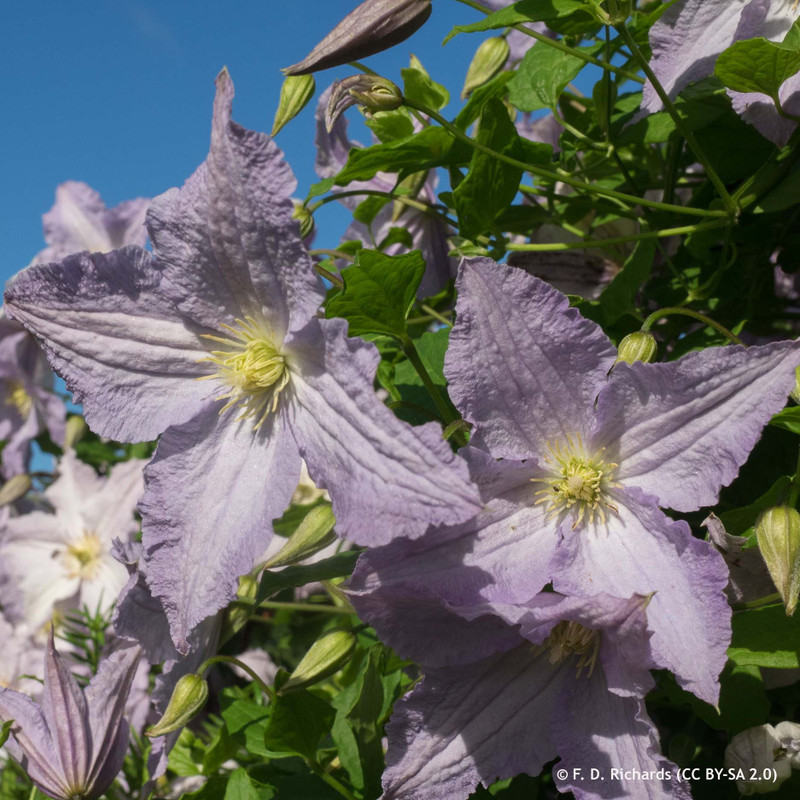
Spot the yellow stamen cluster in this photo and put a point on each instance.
(252, 367)
(568, 639)
(82, 558)
(577, 480)
(17, 396)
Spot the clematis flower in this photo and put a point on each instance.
(74, 743)
(585, 461)
(427, 232)
(22, 656)
(80, 221)
(569, 683)
(29, 405)
(216, 345)
(63, 559)
(689, 36)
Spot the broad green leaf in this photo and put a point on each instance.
(247, 721)
(490, 185)
(338, 566)
(431, 147)
(366, 211)
(292, 517)
(240, 787)
(396, 236)
(419, 87)
(619, 297)
(318, 189)
(766, 637)
(5, 731)
(378, 292)
(495, 88)
(759, 65)
(524, 11)
(788, 419)
(297, 724)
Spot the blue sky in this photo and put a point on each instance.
(117, 93)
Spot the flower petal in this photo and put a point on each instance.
(468, 724)
(522, 366)
(385, 478)
(682, 430)
(213, 488)
(111, 333)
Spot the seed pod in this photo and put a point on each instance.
(488, 60)
(296, 91)
(637, 346)
(313, 534)
(778, 534)
(371, 92)
(373, 26)
(327, 655)
(188, 698)
(14, 488)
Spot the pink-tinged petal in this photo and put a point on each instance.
(641, 551)
(681, 430)
(212, 490)
(385, 478)
(597, 731)
(472, 724)
(522, 366)
(227, 238)
(111, 333)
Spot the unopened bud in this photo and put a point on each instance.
(14, 488)
(488, 60)
(313, 534)
(327, 655)
(604, 96)
(75, 431)
(757, 752)
(306, 218)
(795, 395)
(373, 26)
(239, 612)
(371, 92)
(296, 91)
(637, 346)
(778, 534)
(188, 698)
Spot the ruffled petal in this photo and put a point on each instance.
(110, 331)
(681, 430)
(522, 366)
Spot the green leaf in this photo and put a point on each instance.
(766, 637)
(396, 236)
(495, 88)
(759, 65)
(420, 88)
(524, 11)
(5, 731)
(338, 566)
(378, 292)
(240, 787)
(366, 211)
(318, 189)
(431, 147)
(788, 419)
(390, 125)
(739, 521)
(619, 297)
(297, 724)
(490, 185)
(247, 721)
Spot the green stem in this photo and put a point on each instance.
(761, 601)
(318, 607)
(685, 312)
(730, 204)
(329, 276)
(436, 315)
(399, 198)
(557, 176)
(446, 412)
(558, 45)
(323, 251)
(634, 237)
(318, 770)
(268, 690)
(795, 490)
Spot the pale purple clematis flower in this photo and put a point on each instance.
(62, 560)
(427, 232)
(585, 461)
(80, 221)
(690, 35)
(568, 682)
(28, 404)
(22, 656)
(215, 344)
(74, 743)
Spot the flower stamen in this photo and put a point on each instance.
(568, 639)
(83, 557)
(17, 396)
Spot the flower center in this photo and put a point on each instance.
(577, 480)
(83, 557)
(568, 639)
(252, 369)
(17, 396)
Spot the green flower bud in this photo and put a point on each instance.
(488, 60)
(327, 655)
(373, 26)
(371, 92)
(604, 96)
(637, 346)
(14, 488)
(239, 613)
(296, 91)
(188, 698)
(306, 218)
(795, 395)
(778, 534)
(75, 431)
(313, 534)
